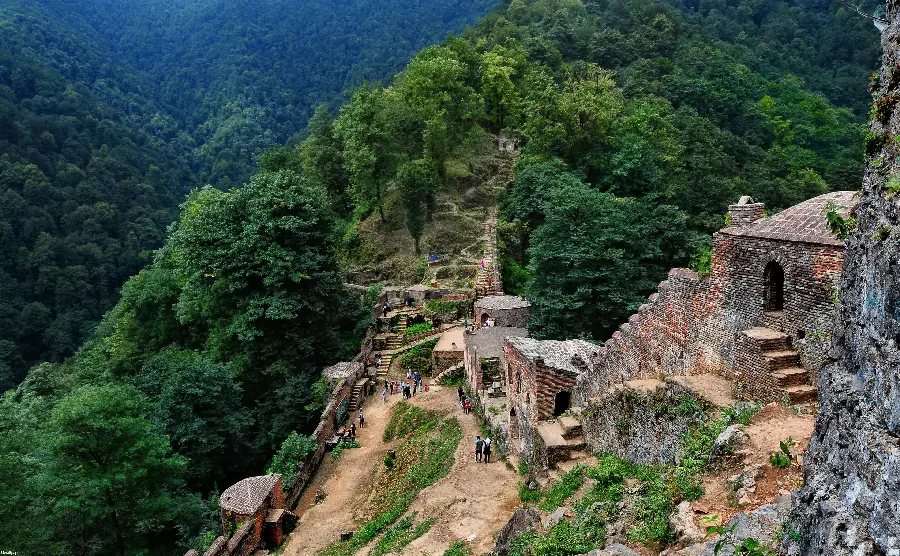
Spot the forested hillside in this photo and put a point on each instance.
(89, 181)
(110, 112)
(240, 77)
(638, 127)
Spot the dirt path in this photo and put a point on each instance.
(346, 483)
(473, 499)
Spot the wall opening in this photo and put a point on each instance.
(773, 282)
(561, 403)
(484, 319)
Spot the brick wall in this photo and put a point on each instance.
(691, 325)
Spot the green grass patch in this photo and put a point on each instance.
(408, 418)
(418, 359)
(401, 534)
(458, 548)
(565, 488)
(423, 458)
(418, 328)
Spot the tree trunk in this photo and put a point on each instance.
(416, 242)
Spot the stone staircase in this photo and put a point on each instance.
(385, 365)
(563, 439)
(488, 272)
(783, 364)
(357, 395)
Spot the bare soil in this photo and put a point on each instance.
(474, 499)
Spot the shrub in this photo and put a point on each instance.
(418, 328)
(458, 548)
(418, 358)
(783, 458)
(441, 306)
(294, 448)
(336, 452)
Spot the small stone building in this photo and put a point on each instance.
(254, 509)
(540, 378)
(484, 355)
(502, 310)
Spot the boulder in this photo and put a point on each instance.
(682, 522)
(523, 521)
(555, 517)
(729, 440)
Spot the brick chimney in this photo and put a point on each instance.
(746, 211)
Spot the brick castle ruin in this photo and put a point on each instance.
(761, 318)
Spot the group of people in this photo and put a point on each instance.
(464, 402)
(407, 388)
(483, 449)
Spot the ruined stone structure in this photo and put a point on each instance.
(484, 355)
(762, 315)
(503, 310)
(850, 499)
(540, 378)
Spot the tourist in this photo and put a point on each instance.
(479, 445)
(415, 386)
(362, 420)
(408, 373)
(468, 406)
(352, 431)
(386, 309)
(487, 449)
(482, 264)
(384, 394)
(461, 394)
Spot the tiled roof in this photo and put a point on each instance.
(571, 356)
(342, 370)
(488, 342)
(805, 222)
(248, 496)
(501, 302)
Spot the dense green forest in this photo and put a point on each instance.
(640, 122)
(110, 112)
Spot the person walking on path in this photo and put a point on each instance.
(415, 385)
(362, 420)
(479, 445)
(487, 450)
(384, 395)
(408, 373)
(459, 391)
(468, 406)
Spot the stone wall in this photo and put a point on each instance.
(642, 423)
(692, 324)
(516, 317)
(850, 500)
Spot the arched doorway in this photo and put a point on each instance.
(484, 319)
(773, 282)
(561, 403)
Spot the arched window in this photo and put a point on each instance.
(773, 282)
(484, 319)
(561, 403)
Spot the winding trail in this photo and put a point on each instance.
(473, 499)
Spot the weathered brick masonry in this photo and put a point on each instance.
(693, 325)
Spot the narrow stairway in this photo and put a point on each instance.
(783, 364)
(357, 394)
(563, 438)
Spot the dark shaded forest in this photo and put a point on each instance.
(640, 122)
(111, 112)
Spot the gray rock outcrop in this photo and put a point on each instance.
(524, 520)
(730, 439)
(682, 522)
(850, 500)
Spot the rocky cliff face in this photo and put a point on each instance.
(850, 501)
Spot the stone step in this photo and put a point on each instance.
(782, 359)
(768, 339)
(571, 427)
(802, 393)
(791, 376)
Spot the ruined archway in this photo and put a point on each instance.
(773, 284)
(561, 402)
